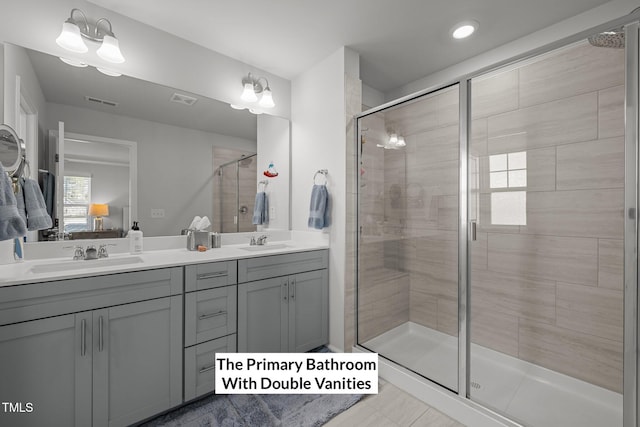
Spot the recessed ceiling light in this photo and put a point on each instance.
(464, 29)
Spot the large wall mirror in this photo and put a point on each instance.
(150, 152)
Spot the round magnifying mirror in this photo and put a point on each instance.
(10, 149)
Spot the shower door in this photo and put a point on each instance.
(408, 242)
(547, 197)
(236, 195)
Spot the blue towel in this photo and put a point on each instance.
(318, 209)
(22, 210)
(261, 209)
(11, 225)
(37, 216)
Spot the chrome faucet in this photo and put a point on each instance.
(79, 253)
(102, 251)
(262, 240)
(90, 253)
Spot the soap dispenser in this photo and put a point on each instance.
(135, 239)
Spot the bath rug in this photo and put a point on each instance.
(259, 410)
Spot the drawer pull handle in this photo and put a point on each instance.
(211, 275)
(206, 369)
(207, 316)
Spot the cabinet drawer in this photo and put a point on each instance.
(199, 365)
(210, 314)
(210, 275)
(281, 265)
(39, 300)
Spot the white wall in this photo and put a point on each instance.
(175, 171)
(275, 139)
(372, 97)
(151, 54)
(318, 142)
(607, 12)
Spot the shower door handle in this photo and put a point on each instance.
(473, 231)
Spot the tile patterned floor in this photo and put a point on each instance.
(392, 407)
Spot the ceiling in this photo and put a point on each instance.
(62, 84)
(399, 41)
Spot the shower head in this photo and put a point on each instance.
(613, 38)
(245, 162)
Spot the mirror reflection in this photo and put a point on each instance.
(180, 141)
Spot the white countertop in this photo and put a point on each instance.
(22, 272)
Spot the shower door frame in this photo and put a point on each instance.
(631, 361)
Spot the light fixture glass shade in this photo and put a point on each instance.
(237, 107)
(401, 142)
(255, 111)
(393, 139)
(71, 39)
(267, 99)
(248, 94)
(110, 50)
(109, 72)
(73, 62)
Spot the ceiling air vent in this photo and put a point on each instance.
(101, 101)
(183, 99)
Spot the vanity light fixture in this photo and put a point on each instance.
(251, 88)
(74, 29)
(394, 142)
(464, 29)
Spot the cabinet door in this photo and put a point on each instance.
(47, 363)
(308, 310)
(263, 316)
(137, 360)
(199, 368)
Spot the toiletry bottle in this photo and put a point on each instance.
(135, 239)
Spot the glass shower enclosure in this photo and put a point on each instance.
(497, 246)
(236, 194)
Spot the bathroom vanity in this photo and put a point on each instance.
(128, 341)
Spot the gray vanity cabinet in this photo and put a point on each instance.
(46, 364)
(211, 302)
(288, 312)
(98, 351)
(136, 360)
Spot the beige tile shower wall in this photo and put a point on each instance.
(550, 291)
(430, 212)
(226, 195)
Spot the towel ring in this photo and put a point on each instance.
(324, 173)
(264, 183)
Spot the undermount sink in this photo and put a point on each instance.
(267, 247)
(70, 265)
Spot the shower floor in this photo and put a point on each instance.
(521, 390)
